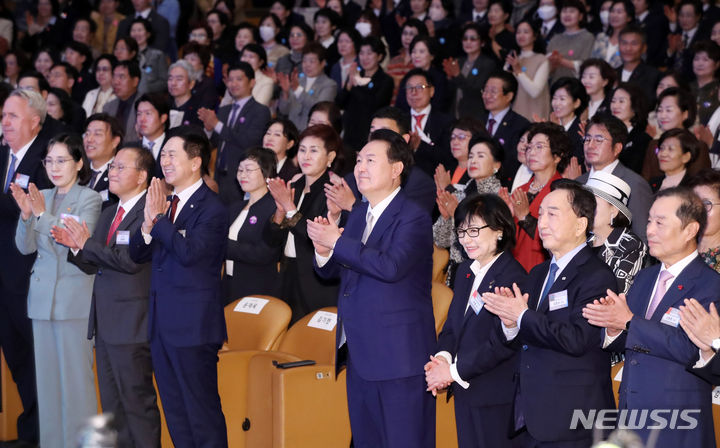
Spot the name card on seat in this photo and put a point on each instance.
(323, 320)
(251, 305)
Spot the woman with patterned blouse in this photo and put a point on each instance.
(706, 184)
(614, 241)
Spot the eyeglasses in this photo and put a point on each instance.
(461, 137)
(202, 36)
(536, 147)
(416, 89)
(121, 168)
(56, 162)
(709, 205)
(599, 139)
(471, 38)
(103, 69)
(472, 232)
(490, 92)
(297, 35)
(242, 171)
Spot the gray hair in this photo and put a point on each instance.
(193, 75)
(34, 100)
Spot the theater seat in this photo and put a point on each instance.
(252, 329)
(441, 298)
(300, 406)
(445, 429)
(441, 257)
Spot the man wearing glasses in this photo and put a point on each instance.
(604, 140)
(501, 122)
(23, 115)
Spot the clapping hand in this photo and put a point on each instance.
(442, 177)
(339, 193)
(447, 203)
(611, 312)
(521, 204)
(156, 203)
(701, 326)
(323, 233)
(22, 199)
(506, 304)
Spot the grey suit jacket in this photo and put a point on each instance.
(119, 308)
(112, 108)
(154, 68)
(58, 290)
(641, 197)
(298, 109)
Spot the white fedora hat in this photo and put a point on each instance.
(611, 188)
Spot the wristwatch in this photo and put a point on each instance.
(715, 345)
(157, 217)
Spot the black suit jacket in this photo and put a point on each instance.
(103, 184)
(657, 28)
(577, 142)
(119, 307)
(646, 78)
(508, 133)
(429, 156)
(15, 272)
(633, 153)
(247, 132)
(471, 86)
(255, 262)
(477, 340)
(158, 169)
(161, 30)
(319, 292)
(288, 170)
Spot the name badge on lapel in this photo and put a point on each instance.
(65, 216)
(122, 237)
(671, 317)
(558, 300)
(105, 195)
(182, 232)
(22, 180)
(476, 302)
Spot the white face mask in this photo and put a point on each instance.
(436, 13)
(267, 33)
(363, 28)
(605, 17)
(547, 12)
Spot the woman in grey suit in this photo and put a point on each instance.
(152, 61)
(59, 296)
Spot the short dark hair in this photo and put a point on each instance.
(431, 44)
(81, 48)
(144, 160)
(496, 214)
(305, 28)
(353, 35)
(691, 208)
(76, 150)
(329, 14)
(685, 101)
(157, 100)
(259, 51)
(375, 44)
(509, 83)
(130, 43)
(290, 132)
(66, 103)
(560, 144)
(265, 158)
(575, 89)
(479, 30)
(472, 125)
(244, 67)
(636, 29)
(506, 6)
(688, 142)
(613, 125)
(203, 52)
(417, 24)
(50, 51)
(418, 72)
(70, 71)
(708, 47)
(275, 19)
(496, 150)
(705, 178)
(222, 17)
(582, 201)
(314, 48)
(106, 57)
(43, 85)
(577, 4)
(638, 103)
(131, 66)
(399, 116)
(330, 139)
(398, 149)
(696, 4)
(606, 72)
(116, 129)
(333, 112)
(196, 145)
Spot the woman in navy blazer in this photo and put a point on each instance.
(251, 264)
(472, 358)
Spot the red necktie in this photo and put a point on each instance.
(491, 125)
(173, 207)
(418, 122)
(115, 224)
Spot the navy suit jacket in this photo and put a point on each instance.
(508, 133)
(185, 300)
(427, 157)
(562, 365)
(656, 355)
(483, 359)
(384, 303)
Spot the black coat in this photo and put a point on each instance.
(508, 133)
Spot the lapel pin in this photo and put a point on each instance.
(68, 209)
(253, 220)
(192, 205)
(467, 276)
(680, 287)
(563, 278)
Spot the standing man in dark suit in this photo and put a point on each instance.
(604, 140)
(651, 18)
(151, 115)
(119, 309)
(160, 25)
(185, 239)
(502, 123)
(21, 162)
(645, 324)
(562, 366)
(385, 317)
(235, 128)
(633, 44)
(430, 125)
(101, 139)
(125, 80)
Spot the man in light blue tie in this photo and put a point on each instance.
(562, 366)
